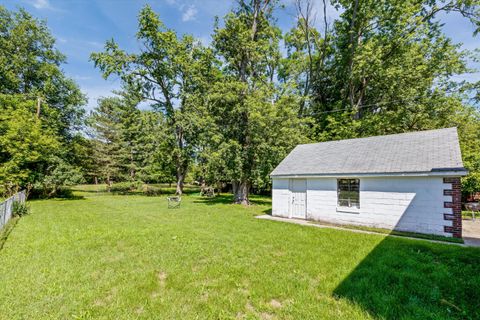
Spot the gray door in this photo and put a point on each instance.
(298, 203)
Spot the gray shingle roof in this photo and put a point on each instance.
(415, 152)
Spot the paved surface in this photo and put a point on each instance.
(471, 230)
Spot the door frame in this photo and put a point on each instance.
(290, 202)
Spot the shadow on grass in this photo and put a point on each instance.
(402, 279)
(218, 199)
(69, 198)
(62, 195)
(228, 199)
(156, 193)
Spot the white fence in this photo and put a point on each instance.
(6, 207)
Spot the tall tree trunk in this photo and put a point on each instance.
(181, 162)
(180, 181)
(241, 190)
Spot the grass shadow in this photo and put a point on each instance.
(153, 192)
(404, 279)
(228, 199)
(74, 197)
(218, 199)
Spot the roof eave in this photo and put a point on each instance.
(442, 173)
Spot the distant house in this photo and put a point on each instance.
(408, 182)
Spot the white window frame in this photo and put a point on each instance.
(348, 209)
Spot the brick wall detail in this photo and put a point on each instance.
(456, 205)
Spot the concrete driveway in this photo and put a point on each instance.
(471, 232)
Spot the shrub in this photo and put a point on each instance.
(20, 209)
(152, 191)
(123, 187)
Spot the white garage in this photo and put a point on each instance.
(407, 182)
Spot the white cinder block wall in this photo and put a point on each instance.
(413, 204)
(281, 197)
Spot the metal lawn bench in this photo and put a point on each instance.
(473, 207)
(174, 202)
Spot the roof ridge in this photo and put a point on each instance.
(380, 136)
(435, 150)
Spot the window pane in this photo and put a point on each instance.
(348, 193)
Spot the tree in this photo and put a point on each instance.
(41, 108)
(169, 72)
(388, 69)
(26, 144)
(256, 125)
(153, 145)
(306, 54)
(30, 65)
(109, 147)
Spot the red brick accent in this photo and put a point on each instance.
(455, 205)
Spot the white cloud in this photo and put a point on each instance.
(41, 4)
(190, 13)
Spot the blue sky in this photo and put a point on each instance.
(83, 26)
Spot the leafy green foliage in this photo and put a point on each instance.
(26, 145)
(256, 125)
(172, 73)
(58, 174)
(40, 108)
(30, 65)
(234, 110)
(129, 144)
(20, 209)
(384, 67)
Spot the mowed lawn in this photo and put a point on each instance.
(129, 257)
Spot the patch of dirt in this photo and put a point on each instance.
(107, 300)
(99, 303)
(249, 307)
(162, 277)
(260, 315)
(275, 304)
(266, 316)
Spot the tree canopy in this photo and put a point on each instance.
(228, 112)
(41, 108)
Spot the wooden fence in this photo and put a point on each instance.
(6, 207)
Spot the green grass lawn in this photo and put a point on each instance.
(129, 257)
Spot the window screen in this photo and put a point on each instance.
(348, 193)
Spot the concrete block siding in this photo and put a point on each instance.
(414, 204)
